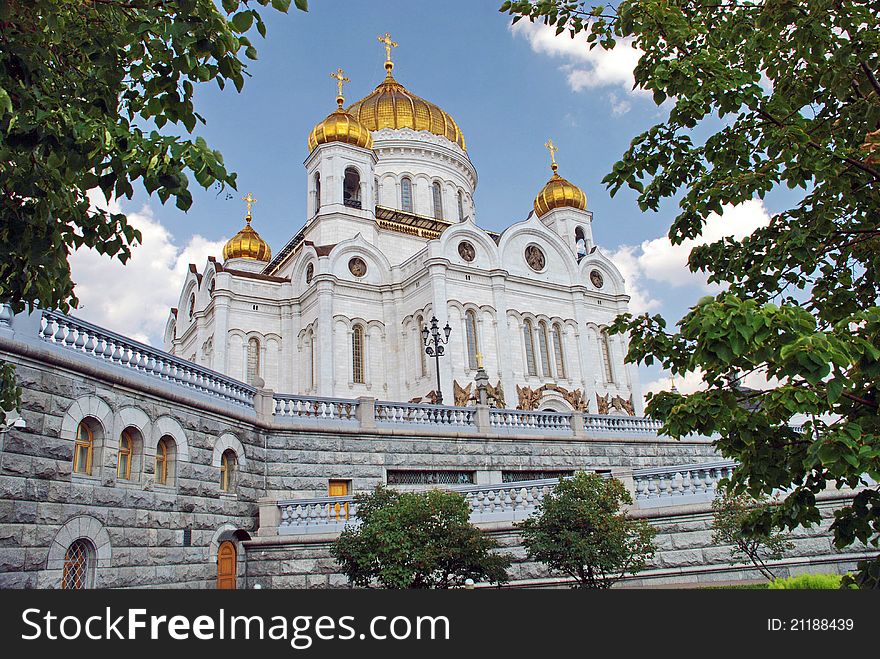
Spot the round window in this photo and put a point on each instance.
(466, 251)
(535, 258)
(357, 267)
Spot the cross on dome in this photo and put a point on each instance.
(250, 200)
(389, 44)
(552, 148)
(339, 76)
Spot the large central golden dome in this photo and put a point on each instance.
(391, 105)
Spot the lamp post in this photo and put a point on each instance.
(434, 343)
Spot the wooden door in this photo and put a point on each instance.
(226, 556)
(338, 489)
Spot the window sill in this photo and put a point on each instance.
(85, 479)
(228, 496)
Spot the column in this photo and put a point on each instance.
(437, 277)
(503, 340)
(324, 353)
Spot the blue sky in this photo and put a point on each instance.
(509, 90)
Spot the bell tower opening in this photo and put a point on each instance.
(351, 188)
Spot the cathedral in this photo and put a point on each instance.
(391, 242)
(391, 341)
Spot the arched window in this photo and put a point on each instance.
(406, 196)
(357, 354)
(228, 470)
(83, 449)
(460, 206)
(544, 342)
(191, 309)
(253, 360)
(604, 344)
(437, 195)
(317, 191)
(125, 456)
(528, 336)
(420, 346)
(470, 324)
(166, 458)
(79, 565)
(580, 242)
(558, 351)
(351, 188)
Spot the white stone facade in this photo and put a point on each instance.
(300, 313)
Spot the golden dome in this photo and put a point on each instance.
(247, 244)
(390, 105)
(559, 193)
(340, 126)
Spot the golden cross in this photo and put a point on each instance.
(249, 198)
(388, 45)
(552, 148)
(340, 78)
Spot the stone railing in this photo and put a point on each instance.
(498, 502)
(522, 420)
(680, 484)
(104, 345)
(314, 407)
(415, 413)
(631, 425)
(318, 515)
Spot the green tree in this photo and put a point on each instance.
(732, 512)
(86, 89)
(416, 540)
(580, 530)
(763, 95)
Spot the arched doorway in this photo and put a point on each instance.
(226, 557)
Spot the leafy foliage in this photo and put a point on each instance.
(807, 582)
(731, 513)
(86, 87)
(786, 93)
(867, 578)
(580, 530)
(416, 540)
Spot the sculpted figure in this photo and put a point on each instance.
(432, 397)
(602, 404)
(528, 398)
(496, 395)
(461, 395)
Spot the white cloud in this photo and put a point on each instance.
(627, 262)
(133, 298)
(689, 383)
(661, 261)
(585, 68)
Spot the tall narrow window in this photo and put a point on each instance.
(83, 449)
(604, 344)
(420, 347)
(312, 375)
(78, 565)
(460, 206)
(470, 324)
(406, 196)
(558, 351)
(253, 360)
(317, 192)
(357, 354)
(166, 451)
(228, 470)
(126, 451)
(580, 242)
(543, 341)
(351, 188)
(437, 194)
(528, 336)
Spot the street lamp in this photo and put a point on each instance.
(434, 343)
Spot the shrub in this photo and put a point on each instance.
(807, 582)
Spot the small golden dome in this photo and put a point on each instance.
(390, 105)
(340, 126)
(247, 244)
(559, 193)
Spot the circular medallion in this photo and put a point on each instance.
(466, 251)
(535, 258)
(357, 267)
(597, 279)
(310, 272)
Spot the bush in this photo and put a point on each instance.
(807, 582)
